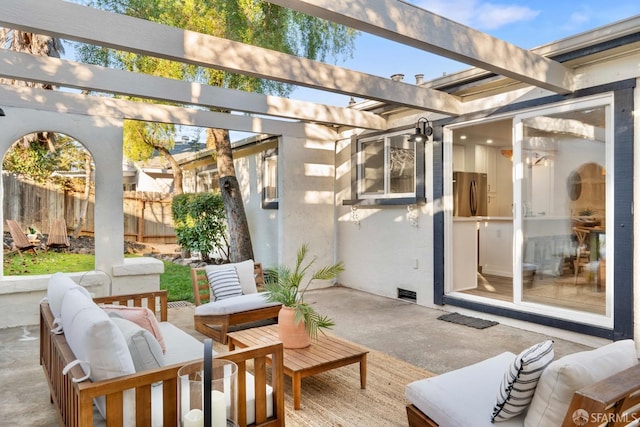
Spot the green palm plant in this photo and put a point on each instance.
(285, 285)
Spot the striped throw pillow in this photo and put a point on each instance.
(520, 381)
(224, 282)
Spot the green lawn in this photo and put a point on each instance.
(176, 278)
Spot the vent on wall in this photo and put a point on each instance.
(406, 295)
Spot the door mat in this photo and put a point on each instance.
(461, 319)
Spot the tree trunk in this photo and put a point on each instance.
(175, 167)
(239, 235)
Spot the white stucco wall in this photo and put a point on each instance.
(102, 136)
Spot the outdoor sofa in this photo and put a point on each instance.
(215, 316)
(78, 339)
(586, 388)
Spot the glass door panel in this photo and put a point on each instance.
(563, 208)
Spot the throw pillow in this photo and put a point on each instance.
(98, 343)
(142, 317)
(145, 350)
(224, 283)
(520, 381)
(570, 373)
(246, 274)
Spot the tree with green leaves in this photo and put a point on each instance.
(254, 22)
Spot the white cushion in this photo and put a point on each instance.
(246, 274)
(224, 282)
(145, 350)
(97, 341)
(463, 397)
(235, 305)
(58, 285)
(520, 380)
(181, 347)
(569, 374)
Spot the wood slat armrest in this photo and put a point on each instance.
(156, 301)
(615, 398)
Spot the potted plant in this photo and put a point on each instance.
(298, 322)
(32, 234)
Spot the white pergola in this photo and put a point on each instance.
(100, 119)
(392, 19)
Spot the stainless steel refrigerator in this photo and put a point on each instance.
(469, 194)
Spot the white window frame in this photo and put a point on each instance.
(386, 193)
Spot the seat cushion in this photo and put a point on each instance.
(520, 380)
(563, 377)
(235, 305)
(464, 397)
(181, 347)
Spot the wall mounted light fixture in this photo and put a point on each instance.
(2, 114)
(423, 131)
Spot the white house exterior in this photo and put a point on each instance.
(353, 184)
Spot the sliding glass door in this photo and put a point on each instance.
(562, 188)
(541, 245)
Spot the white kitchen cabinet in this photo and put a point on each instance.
(496, 247)
(465, 254)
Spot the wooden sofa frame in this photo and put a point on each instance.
(615, 399)
(74, 401)
(217, 326)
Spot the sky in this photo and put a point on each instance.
(525, 23)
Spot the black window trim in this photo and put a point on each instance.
(266, 202)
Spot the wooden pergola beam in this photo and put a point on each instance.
(57, 72)
(413, 26)
(88, 25)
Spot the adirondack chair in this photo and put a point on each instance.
(20, 241)
(58, 235)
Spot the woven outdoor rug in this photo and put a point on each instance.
(335, 399)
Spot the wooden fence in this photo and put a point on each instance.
(147, 216)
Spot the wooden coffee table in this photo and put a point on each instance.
(327, 353)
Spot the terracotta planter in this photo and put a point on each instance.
(292, 335)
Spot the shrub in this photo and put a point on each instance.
(200, 224)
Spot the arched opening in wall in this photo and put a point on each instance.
(48, 188)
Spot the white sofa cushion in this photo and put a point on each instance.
(563, 377)
(181, 347)
(58, 285)
(224, 282)
(463, 397)
(235, 305)
(96, 341)
(246, 274)
(145, 350)
(520, 380)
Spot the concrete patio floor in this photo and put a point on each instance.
(399, 328)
